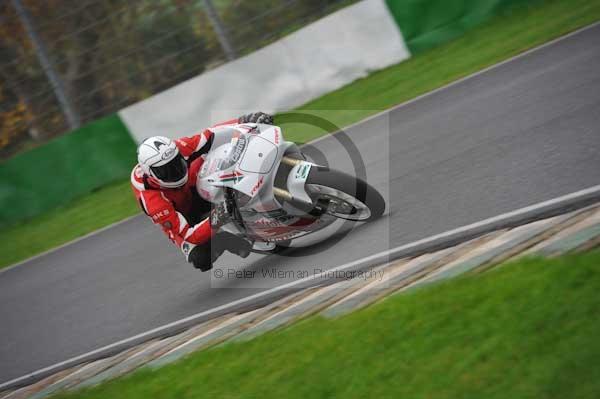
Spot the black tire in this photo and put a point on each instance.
(352, 186)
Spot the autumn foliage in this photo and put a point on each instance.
(112, 53)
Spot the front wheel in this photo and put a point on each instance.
(344, 196)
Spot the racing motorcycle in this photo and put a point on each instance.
(273, 194)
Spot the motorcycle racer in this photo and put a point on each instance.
(164, 184)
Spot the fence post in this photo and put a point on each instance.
(55, 81)
(217, 24)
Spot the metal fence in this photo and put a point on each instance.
(67, 62)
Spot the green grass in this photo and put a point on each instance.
(498, 39)
(98, 209)
(526, 330)
(501, 37)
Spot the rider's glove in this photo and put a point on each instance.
(256, 117)
(198, 255)
(219, 216)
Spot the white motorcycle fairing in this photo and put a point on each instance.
(246, 168)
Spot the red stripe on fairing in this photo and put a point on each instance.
(302, 222)
(271, 231)
(229, 175)
(229, 122)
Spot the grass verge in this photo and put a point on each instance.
(503, 36)
(65, 223)
(529, 329)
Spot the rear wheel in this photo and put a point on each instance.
(344, 196)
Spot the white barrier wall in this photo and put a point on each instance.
(317, 59)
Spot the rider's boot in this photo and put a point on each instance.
(234, 244)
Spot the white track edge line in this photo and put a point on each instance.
(414, 244)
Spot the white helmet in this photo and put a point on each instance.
(160, 159)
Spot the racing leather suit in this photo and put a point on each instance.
(181, 212)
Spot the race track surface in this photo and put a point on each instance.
(521, 133)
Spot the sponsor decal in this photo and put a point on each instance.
(276, 138)
(168, 153)
(280, 221)
(264, 222)
(279, 234)
(234, 177)
(240, 146)
(302, 172)
(257, 185)
(161, 214)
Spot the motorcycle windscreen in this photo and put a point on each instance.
(218, 159)
(260, 156)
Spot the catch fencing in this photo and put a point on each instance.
(64, 63)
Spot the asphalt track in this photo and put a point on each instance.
(521, 133)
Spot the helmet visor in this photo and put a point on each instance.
(172, 171)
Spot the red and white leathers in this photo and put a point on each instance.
(170, 207)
